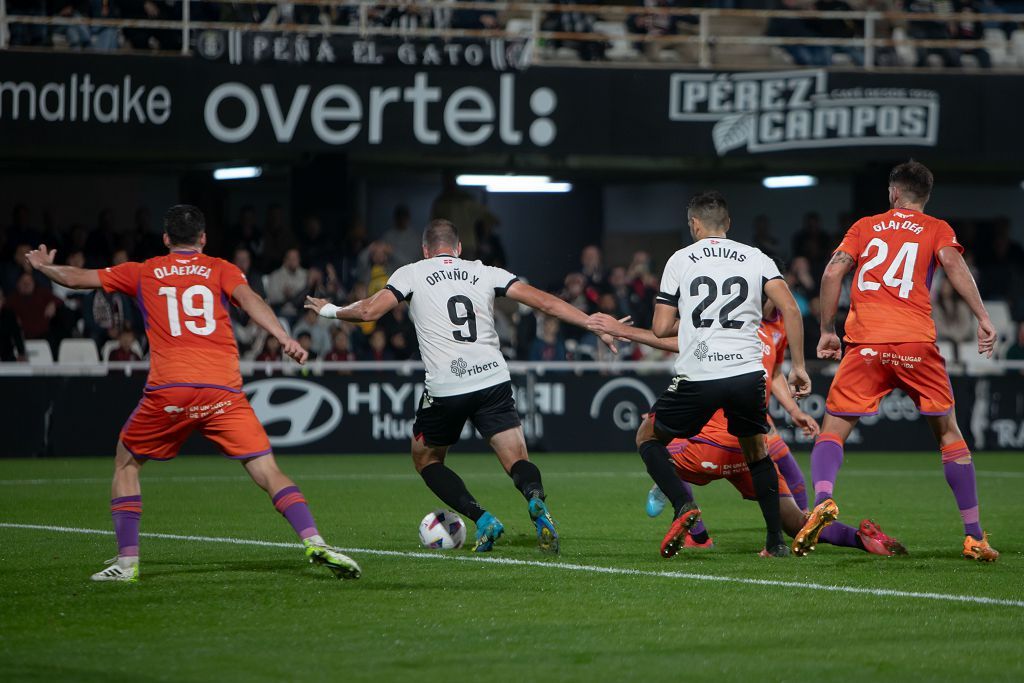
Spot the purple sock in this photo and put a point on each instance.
(826, 459)
(127, 514)
(840, 534)
(794, 478)
(961, 479)
(290, 503)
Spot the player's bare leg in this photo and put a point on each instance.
(959, 470)
(126, 511)
(289, 501)
(510, 447)
(449, 487)
(652, 446)
(766, 486)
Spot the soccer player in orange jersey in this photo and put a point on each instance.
(890, 342)
(194, 383)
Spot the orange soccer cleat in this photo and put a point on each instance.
(979, 550)
(680, 528)
(877, 542)
(821, 516)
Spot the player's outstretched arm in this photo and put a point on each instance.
(549, 304)
(602, 323)
(778, 291)
(665, 323)
(831, 285)
(362, 311)
(263, 315)
(74, 278)
(782, 394)
(963, 282)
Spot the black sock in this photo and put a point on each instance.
(526, 476)
(659, 466)
(450, 488)
(766, 486)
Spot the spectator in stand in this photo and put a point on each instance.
(34, 306)
(378, 348)
(243, 259)
(340, 346)
(462, 209)
(400, 333)
(549, 344)
(305, 340)
(406, 244)
(105, 313)
(277, 236)
(34, 35)
(143, 242)
(352, 249)
(18, 265)
(971, 29)
(656, 24)
(287, 286)
(1016, 350)
(592, 266)
(475, 19)
(316, 246)
(271, 349)
(838, 28)
(73, 299)
(318, 329)
(802, 283)
(489, 249)
(99, 243)
(798, 27)
(379, 266)
(619, 289)
(12, 340)
(127, 347)
(932, 30)
(644, 282)
(953, 318)
(152, 38)
(247, 333)
(764, 238)
(813, 243)
(21, 230)
(571, 20)
(245, 233)
(89, 37)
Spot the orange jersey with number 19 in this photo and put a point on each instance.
(896, 254)
(184, 297)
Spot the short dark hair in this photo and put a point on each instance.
(440, 233)
(401, 212)
(183, 224)
(913, 178)
(710, 207)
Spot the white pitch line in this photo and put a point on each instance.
(620, 571)
(369, 476)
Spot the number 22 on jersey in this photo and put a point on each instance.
(903, 263)
(189, 308)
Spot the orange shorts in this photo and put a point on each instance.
(700, 462)
(166, 417)
(869, 372)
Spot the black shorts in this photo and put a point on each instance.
(685, 407)
(439, 420)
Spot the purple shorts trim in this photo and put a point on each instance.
(717, 445)
(850, 414)
(249, 455)
(139, 456)
(194, 385)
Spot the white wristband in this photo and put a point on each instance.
(329, 311)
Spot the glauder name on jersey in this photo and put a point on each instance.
(913, 227)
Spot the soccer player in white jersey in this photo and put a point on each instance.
(451, 302)
(710, 297)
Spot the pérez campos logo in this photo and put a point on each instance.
(786, 110)
(339, 113)
(310, 411)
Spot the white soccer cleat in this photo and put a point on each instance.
(116, 571)
(343, 566)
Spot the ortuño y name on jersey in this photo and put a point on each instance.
(454, 274)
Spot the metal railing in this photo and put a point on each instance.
(704, 37)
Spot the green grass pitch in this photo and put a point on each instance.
(206, 611)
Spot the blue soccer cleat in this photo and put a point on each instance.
(547, 536)
(656, 501)
(488, 530)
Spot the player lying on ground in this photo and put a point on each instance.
(699, 462)
(194, 383)
(710, 299)
(890, 339)
(451, 302)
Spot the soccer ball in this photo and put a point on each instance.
(442, 529)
